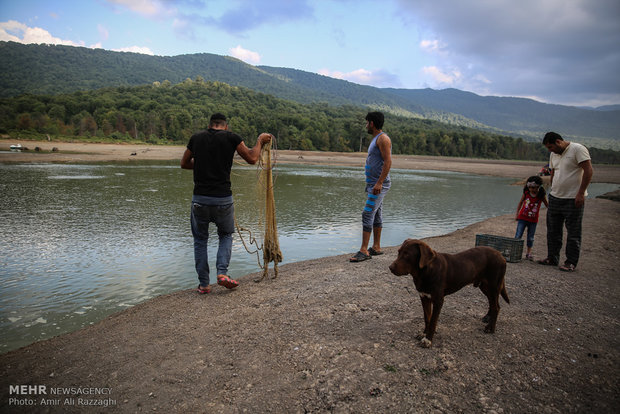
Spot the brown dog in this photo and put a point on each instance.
(438, 274)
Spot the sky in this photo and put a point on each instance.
(554, 51)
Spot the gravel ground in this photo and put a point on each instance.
(332, 336)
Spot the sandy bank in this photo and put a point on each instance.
(88, 152)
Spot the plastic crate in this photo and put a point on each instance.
(511, 249)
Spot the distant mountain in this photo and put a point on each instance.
(608, 108)
(519, 116)
(336, 91)
(52, 69)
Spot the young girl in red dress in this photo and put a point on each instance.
(528, 210)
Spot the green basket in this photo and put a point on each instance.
(511, 249)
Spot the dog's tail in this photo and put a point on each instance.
(504, 293)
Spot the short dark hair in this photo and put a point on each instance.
(551, 138)
(376, 118)
(217, 119)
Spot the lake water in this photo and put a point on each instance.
(80, 242)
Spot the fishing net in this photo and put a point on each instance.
(264, 237)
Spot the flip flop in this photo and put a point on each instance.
(359, 257)
(203, 290)
(227, 282)
(374, 252)
(547, 262)
(567, 267)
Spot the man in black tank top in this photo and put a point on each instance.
(210, 155)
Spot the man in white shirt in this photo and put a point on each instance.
(571, 173)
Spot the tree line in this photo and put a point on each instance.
(166, 113)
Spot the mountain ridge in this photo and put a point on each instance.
(52, 69)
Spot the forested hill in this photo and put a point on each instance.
(51, 69)
(162, 112)
(47, 69)
(523, 116)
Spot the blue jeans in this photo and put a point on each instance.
(224, 218)
(531, 230)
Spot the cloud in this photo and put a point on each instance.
(246, 15)
(21, 33)
(378, 78)
(18, 32)
(441, 78)
(240, 16)
(135, 49)
(237, 17)
(432, 46)
(147, 8)
(245, 55)
(553, 48)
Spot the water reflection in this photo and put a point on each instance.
(80, 242)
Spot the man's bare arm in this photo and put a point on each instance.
(187, 161)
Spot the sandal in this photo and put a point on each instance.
(529, 257)
(203, 290)
(227, 282)
(567, 267)
(547, 262)
(374, 252)
(359, 257)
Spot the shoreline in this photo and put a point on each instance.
(94, 152)
(329, 335)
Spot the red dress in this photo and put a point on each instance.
(530, 208)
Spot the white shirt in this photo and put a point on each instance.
(567, 173)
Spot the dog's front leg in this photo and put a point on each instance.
(437, 303)
(427, 308)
